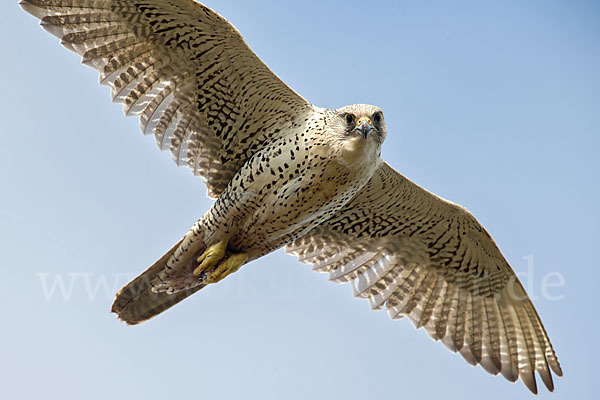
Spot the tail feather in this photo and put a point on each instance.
(136, 302)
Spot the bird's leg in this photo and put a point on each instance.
(231, 264)
(216, 263)
(211, 257)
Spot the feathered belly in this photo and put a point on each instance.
(293, 208)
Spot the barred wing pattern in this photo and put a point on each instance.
(185, 71)
(429, 259)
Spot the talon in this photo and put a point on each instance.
(228, 266)
(210, 257)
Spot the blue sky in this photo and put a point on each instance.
(494, 105)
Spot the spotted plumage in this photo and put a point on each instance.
(289, 174)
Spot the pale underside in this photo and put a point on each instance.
(205, 96)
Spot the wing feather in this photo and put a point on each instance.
(492, 337)
(429, 259)
(429, 301)
(442, 311)
(186, 71)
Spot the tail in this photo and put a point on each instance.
(136, 302)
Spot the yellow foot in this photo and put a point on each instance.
(210, 257)
(228, 266)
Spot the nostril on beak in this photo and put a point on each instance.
(364, 127)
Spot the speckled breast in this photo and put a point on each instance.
(295, 186)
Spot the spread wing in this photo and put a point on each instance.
(429, 259)
(185, 71)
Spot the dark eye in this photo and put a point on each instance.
(377, 117)
(349, 118)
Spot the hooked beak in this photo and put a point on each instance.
(364, 126)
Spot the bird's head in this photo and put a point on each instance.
(358, 123)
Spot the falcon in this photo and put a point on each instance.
(286, 173)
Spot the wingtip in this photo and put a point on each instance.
(529, 380)
(32, 10)
(68, 46)
(54, 30)
(466, 353)
(531, 386)
(509, 373)
(491, 364)
(548, 382)
(556, 368)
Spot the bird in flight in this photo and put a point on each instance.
(286, 173)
